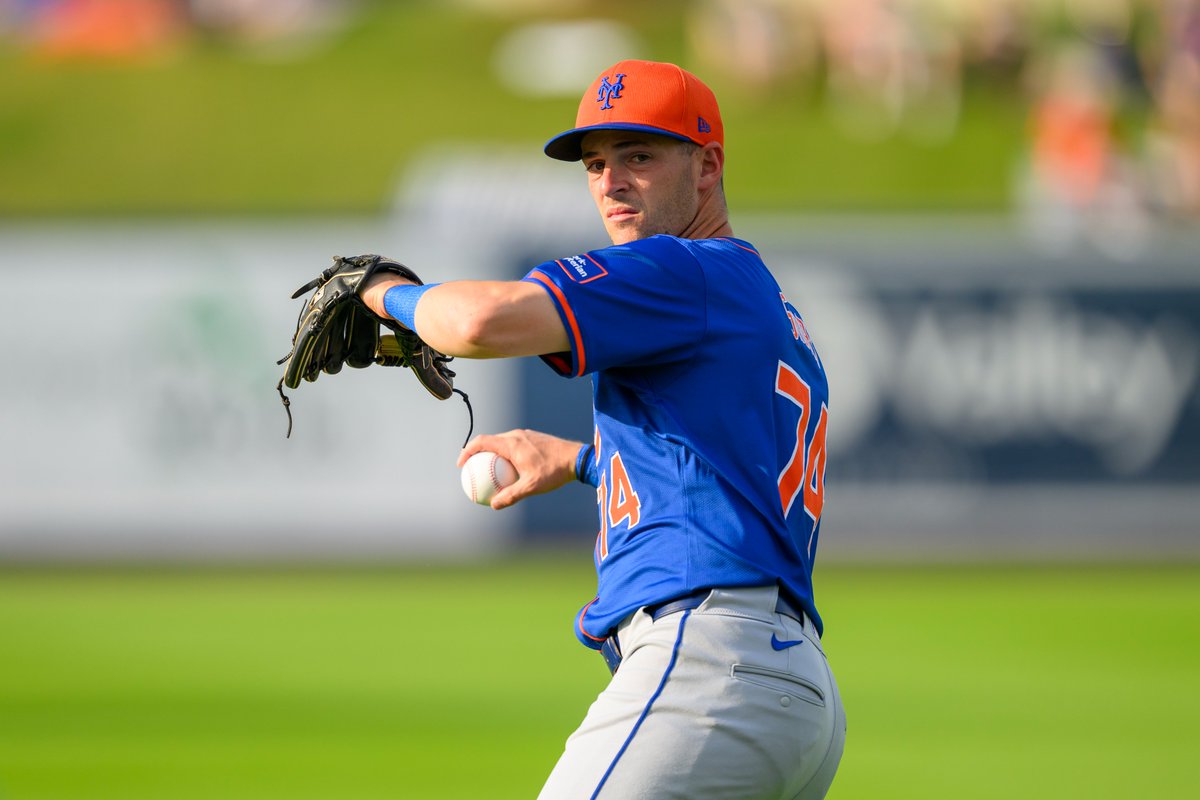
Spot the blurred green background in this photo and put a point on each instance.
(965, 680)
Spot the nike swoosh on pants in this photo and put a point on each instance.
(784, 644)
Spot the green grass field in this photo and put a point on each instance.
(441, 682)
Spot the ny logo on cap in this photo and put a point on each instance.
(609, 91)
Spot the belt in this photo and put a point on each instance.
(611, 649)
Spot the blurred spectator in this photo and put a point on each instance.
(16, 14)
(892, 65)
(864, 49)
(134, 29)
(1174, 136)
(996, 36)
(1072, 121)
(888, 65)
(282, 23)
(759, 43)
(1079, 183)
(1112, 87)
(105, 29)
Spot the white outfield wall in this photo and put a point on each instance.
(138, 411)
(985, 398)
(140, 416)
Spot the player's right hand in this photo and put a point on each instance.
(543, 462)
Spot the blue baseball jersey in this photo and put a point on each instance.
(710, 408)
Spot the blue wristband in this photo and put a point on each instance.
(585, 465)
(401, 303)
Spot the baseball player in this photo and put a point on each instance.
(708, 458)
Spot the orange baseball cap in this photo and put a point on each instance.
(645, 96)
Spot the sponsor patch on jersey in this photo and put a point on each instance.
(582, 269)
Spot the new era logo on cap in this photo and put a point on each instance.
(648, 96)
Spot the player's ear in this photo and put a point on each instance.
(712, 165)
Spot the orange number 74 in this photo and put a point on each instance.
(805, 471)
(618, 504)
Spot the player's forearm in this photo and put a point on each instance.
(489, 319)
(474, 319)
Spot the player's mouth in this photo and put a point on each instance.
(621, 214)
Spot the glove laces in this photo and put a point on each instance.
(287, 404)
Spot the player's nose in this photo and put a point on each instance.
(613, 180)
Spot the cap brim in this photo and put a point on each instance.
(568, 146)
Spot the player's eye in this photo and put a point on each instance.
(594, 166)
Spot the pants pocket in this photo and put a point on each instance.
(778, 681)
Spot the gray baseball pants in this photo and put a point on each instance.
(728, 701)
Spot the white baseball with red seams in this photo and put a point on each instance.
(484, 474)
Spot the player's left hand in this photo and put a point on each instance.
(373, 289)
(543, 462)
(336, 328)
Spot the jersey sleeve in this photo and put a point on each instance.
(626, 306)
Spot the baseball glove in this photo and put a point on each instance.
(336, 328)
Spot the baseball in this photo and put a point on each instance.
(484, 474)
